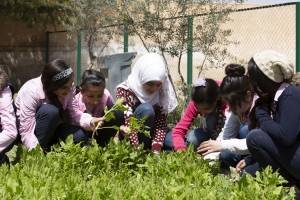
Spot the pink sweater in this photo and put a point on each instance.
(30, 97)
(181, 128)
(98, 110)
(191, 112)
(8, 119)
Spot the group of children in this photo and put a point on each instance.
(260, 127)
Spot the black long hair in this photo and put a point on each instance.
(235, 85)
(49, 84)
(207, 94)
(92, 77)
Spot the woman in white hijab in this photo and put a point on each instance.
(148, 93)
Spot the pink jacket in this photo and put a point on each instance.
(95, 111)
(7, 118)
(30, 97)
(181, 128)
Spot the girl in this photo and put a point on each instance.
(92, 99)
(238, 92)
(8, 127)
(44, 107)
(205, 95)
(277, 140)
(148, 94)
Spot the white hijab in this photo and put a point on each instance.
(151, 67)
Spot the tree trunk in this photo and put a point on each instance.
(201, 67)
(169, 75)
(141, 38)
(184, 87)
(171, 80)
(93, 58)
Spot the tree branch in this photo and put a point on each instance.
(169, 75)
(201, 66)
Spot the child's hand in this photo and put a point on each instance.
(241, 165)
(209, 147)
(181, 150)
(125, 129)
(97, 121)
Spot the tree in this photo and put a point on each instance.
(36, 12)
(93, 17)
(90, 16)
(161, 25)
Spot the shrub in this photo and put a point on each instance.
(120, 172)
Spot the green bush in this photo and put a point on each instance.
(121, 172)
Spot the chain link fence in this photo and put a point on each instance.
(253, 29)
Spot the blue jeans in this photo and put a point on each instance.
(49, 128)
(147, 112)
(243, 132)
(267, 152)
(196, 136)
(228, 158)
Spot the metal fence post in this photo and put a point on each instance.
(78, 62)
(190, 51)
(298, 37)
(125, 37)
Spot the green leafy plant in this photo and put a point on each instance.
(135, 125)
(138, 126)
(109, 115)
(119, 171)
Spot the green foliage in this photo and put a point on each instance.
(118, 106)
(135, 125)
(38, 11)
(119, 171)
(72, 15)
(92, 17)
(174, 117)
(267, 183)
(109, 114)
(138, 126)
(162, 26)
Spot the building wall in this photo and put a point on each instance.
(22, 50)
